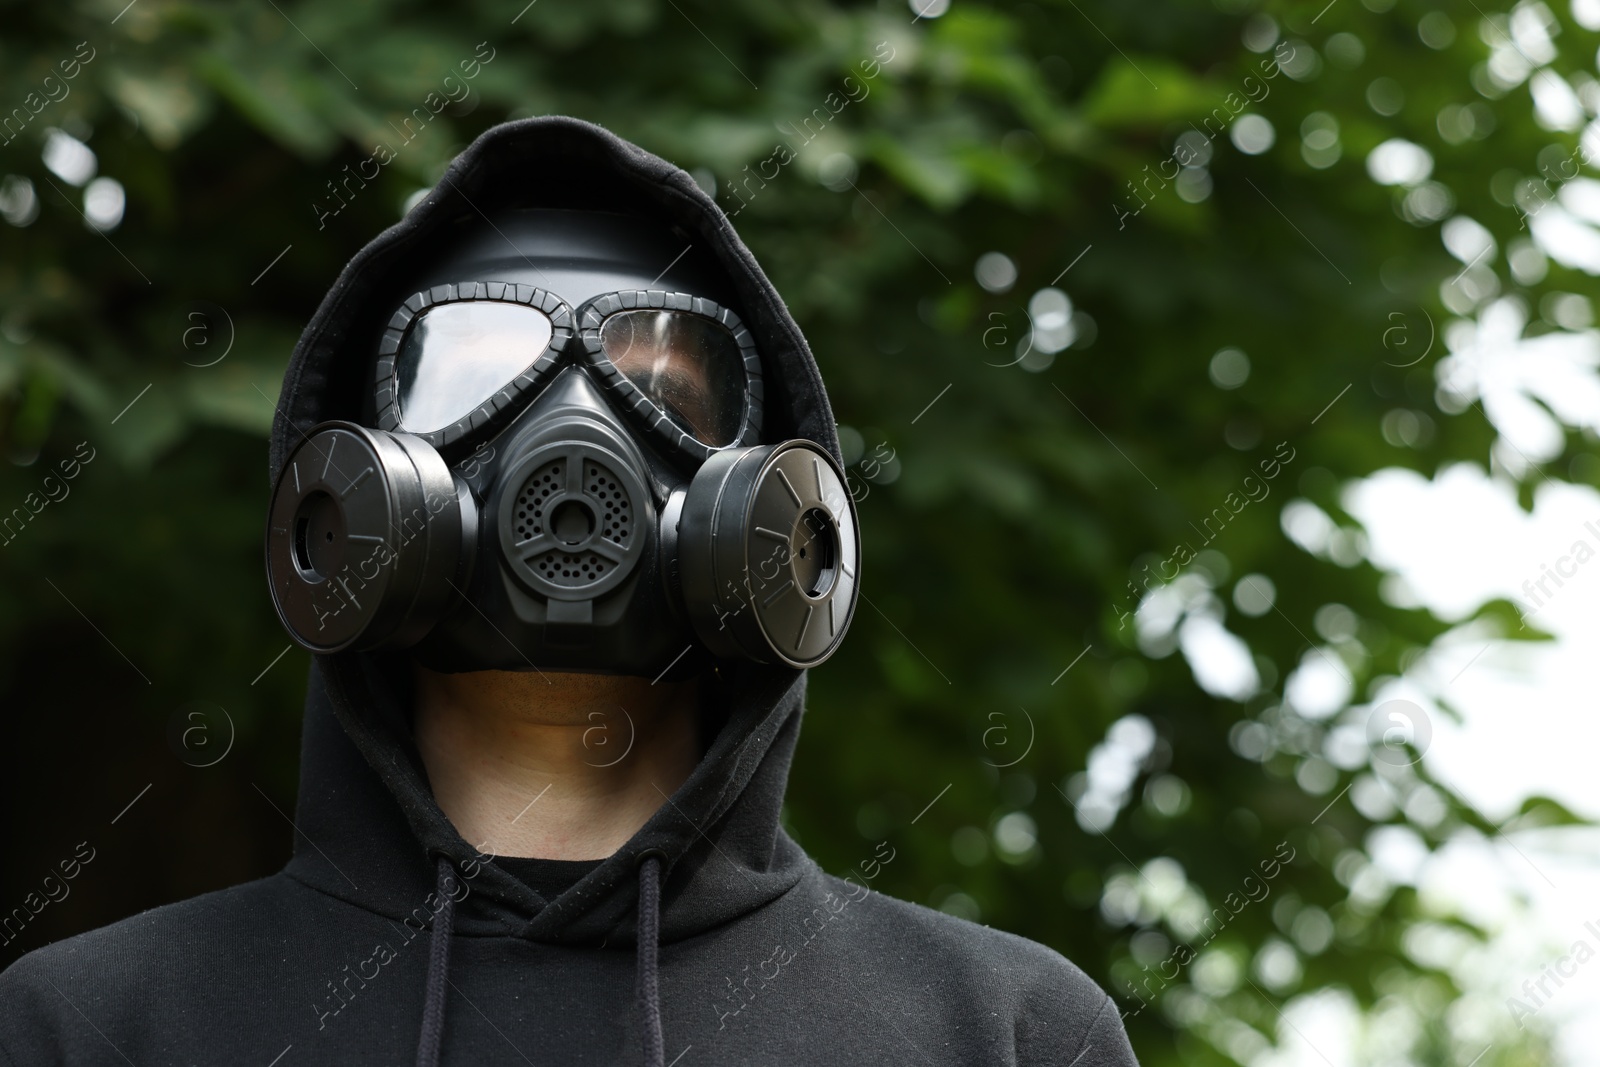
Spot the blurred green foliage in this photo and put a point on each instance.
(1014, 474)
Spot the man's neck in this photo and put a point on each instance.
(554, 766)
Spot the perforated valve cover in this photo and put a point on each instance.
(569, 526)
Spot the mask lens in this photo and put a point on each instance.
(688, 365)
(456, 356)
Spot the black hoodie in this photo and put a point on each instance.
(388, 939)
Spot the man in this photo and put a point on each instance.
(558, 505)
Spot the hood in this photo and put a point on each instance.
(370, 831)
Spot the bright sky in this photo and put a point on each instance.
(1509, 719)
(1527, 724)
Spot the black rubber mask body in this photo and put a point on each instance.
(571, 569)
(573, 520)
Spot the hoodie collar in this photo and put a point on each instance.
(369, 828)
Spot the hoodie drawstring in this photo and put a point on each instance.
(647, 974)
(438, 971)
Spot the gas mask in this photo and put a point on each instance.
(561, 467)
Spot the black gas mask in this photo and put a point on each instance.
(561, 467)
